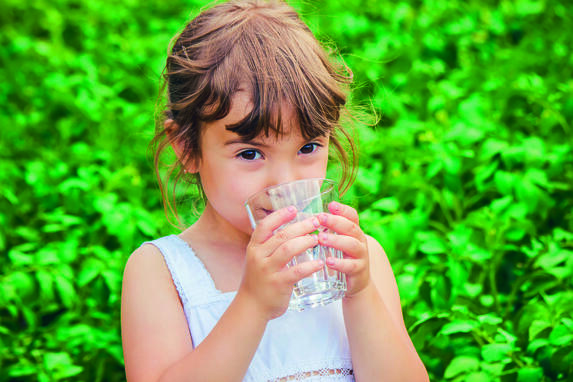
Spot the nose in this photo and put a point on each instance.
(282, 172)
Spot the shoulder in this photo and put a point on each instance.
(145, 265)
(146, 281)
(146, 276)
(383, 278)
(147, 258)
(150, 304)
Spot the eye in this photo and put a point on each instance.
(309, 148)
(249, 155)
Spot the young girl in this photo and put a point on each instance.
(254, 101)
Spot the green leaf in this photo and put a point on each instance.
(496, 352)
(515, 234)
(65, 290)
(504, 182)
(478, 254)
(112, 280)
(433, 169)
(530, 374)
(472, 290)
(501, 204)
(490, 318)
(528, 193)
(552, 259)
(494, 368)
(433, 246)
(537, 176)
(461, 365)
(518, 211)
(146, 227)
(46, 282)
(389, 204)
(536, 327)
(562, 235)
(478, 376)
(492, 147)
(407, 285)
(22, 370)
(486, 300)
(536, 344)
(61, 365)
(460, 236)
(54, 360)
(20, 258)
(23, 283)
(90, 270)
(483, 173)
(527, 7)
(72, 183)
(460, 326)
(561, 335)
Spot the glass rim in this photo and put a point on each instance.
(327, 180)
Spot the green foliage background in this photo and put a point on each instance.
(467, 179)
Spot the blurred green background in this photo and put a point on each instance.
(466, 180)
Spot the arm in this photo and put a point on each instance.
(156, 340)
(379, 343)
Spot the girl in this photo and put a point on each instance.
(253, 101)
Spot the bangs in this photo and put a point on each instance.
(282, 70)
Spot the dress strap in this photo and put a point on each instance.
(192, 280)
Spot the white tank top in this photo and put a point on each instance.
(298, 346)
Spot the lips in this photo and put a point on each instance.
(261, 212)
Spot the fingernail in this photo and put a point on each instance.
(330, 260)
(322, 218)
(291, 209)
(334, 206)
(315, 222)
(322, 236)
(315, 238)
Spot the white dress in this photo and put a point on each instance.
(298, 346)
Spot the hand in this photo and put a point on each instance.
(351, 241)
(266, 279)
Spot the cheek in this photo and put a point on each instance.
(318, 168)
(238, 191)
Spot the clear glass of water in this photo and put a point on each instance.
(310, 197)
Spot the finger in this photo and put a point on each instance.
(292, 248)
(346, 266)
(269, 224)
(349, 245)
(291, 231)
(340, 209)
(341, 225)
(300, 271)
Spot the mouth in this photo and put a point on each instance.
(261, 213)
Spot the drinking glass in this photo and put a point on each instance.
(310, 197)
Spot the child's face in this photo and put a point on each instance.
(232, 170)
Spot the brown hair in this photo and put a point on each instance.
(265, 47)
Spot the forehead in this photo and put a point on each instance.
(217, 133)
(241, 108)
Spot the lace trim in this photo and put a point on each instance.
(302, 375)
(204, 291)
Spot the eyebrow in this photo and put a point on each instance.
(243, 141)
(259, 144)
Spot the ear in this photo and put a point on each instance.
(170, 128)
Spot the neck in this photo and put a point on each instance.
(213, 228)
